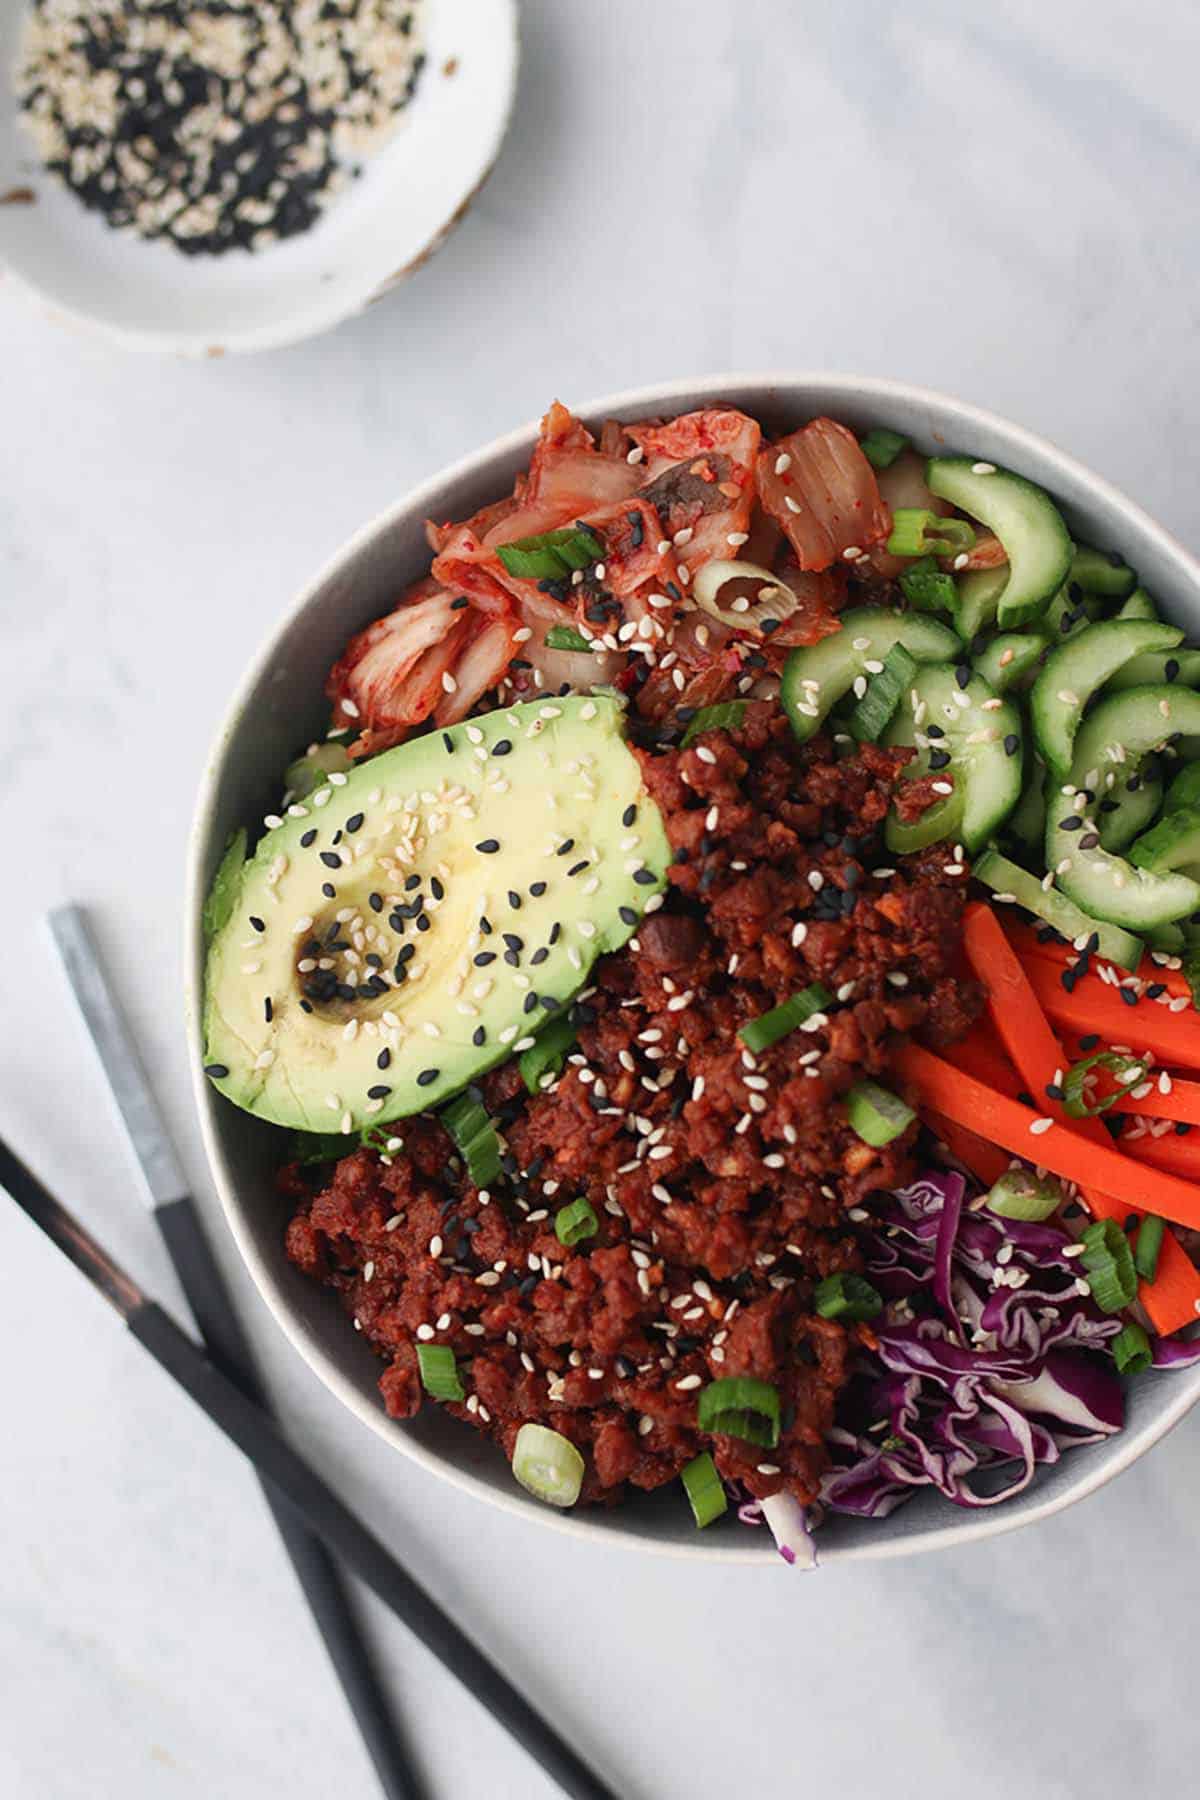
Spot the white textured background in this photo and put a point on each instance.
(998, 201)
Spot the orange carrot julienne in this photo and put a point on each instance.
(1028, 943)
(1182, 1102)
(1018, 1020)
(1181, 1156)
(1041, 1139)
(1092, 1007)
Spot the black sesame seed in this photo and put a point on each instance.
(423, 922)
(329, 891)
(565, 848)
(539, 956)
(345, 990)
(1073, 823)
(307, 839)
(485, 925)
(962, 674)
(383, 1059)
(1181, 1129)
(939, 759)
(628, 816)
(512, 940)
(1089, 840)
(934, 731)
(478, 1036)
(436, 888)
(514, 899)
(1170, 668)
(530, 1002)
(426, 1076)
(502, 747)
(218, 1071)
(257, 923)
(354, 822)
(268, 1009)
(331, 859)
(1128, 996)
(483, 958)
(577, 868)
(549, 1002)
(488, 846)
(375, 902)
(627, 915)
(1134, 783)
(448, 742)
(409, 951)
(457, 605)
(645, 877)
(512, 958)
(306, 1006)
(555, 930)
(379, 1092)
(1090, 1041)
(1012, 744)
(537, 889)
(1155, 989)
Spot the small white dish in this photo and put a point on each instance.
(148, 296)
(281, 702)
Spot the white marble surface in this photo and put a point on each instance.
(998, 201)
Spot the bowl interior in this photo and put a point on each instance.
(149, 296)
(280, 707)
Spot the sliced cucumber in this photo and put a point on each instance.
(1138, 606)
(936, 825)
(1107, 886)
(815, 678)
(1006, 660)
(1070, 610)
(1122, 728)
(1158, 667)
(1168, 938)
(1005, 877)
(1098, 573)
(960, 717)
(1171, 844)
(1027, 821)
(1128, 808)
(1184, 789)
(979, 592)
(1023, 517)
(1076, 669)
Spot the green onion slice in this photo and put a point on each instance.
(551, 555)
(876, 1114)
(475, 1136)
(769, 1027)
(439, 1372)
(1149, 1244)
(574, 1223)
(547, 1465)
(1131, 1349)
(726, 715)
(1020, 1194)
(547, 1053)
(565, 637)
(884, 691)
(881, 447)
(847, 1297)
(929, 587)
(705, 1489)
(1109, 1264)
(917, 531)
(740, 1406)
(1076, 1104)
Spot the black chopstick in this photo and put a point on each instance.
(259, 1438)
(178, 1220)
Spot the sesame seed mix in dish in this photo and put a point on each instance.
(218, 126)
(727, 968)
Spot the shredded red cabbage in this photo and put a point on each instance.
(987, 1361)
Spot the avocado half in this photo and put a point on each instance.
(412, 922)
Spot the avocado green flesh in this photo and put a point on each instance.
(550, 783)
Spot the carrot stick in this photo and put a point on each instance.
(1182, 1103)
(982, 1055)
(1064, 956)
(1181, 1156)
(965, 1101)
(1094, 1007)
(985, 1162)
(1025, 1033)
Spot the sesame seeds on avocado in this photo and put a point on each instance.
(415, 921)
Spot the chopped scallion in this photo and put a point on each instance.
(917, 531)
(726, 715)
(705, 1489)
(546, 1055)
(847, 1297)
(1020, 1194)
(1075, 1101)
(740, 1406)
(769, 1027)
(928, 587)
(565, 637)
(551, 555)
(876, 1114)
(1131, 1349)
(1148, 1246)
(475, 1136)
(547, 1465)
(1109, 1264)
(881, 447)
(574, 1223)
(439, 1372)
(874, 711)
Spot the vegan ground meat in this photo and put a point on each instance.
(725, 1183)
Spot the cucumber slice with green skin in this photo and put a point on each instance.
(1167, 938)
(1098, 573)
(1173, 843)
(938, 824)
(1123, 728)
(882, 696)
(1184, 789)
(1027, 821)
(962, 725)
(1155, 667)
(979, 592)
(1107, 886)
(1009, 879)
(1007, 659)
(1070, 610)
(1076, 669)
(1138, 606)
(1023, 517)
(1128, 808)
(816, 677)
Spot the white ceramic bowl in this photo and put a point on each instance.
(279, 707)
(147, 296)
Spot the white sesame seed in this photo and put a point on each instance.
(425, 1332)
(435, 1246)
(688, 1382)
(1038, 1126)
(983, 468)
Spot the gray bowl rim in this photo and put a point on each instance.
(1120, 1452)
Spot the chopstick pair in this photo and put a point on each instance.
(312, 1521)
